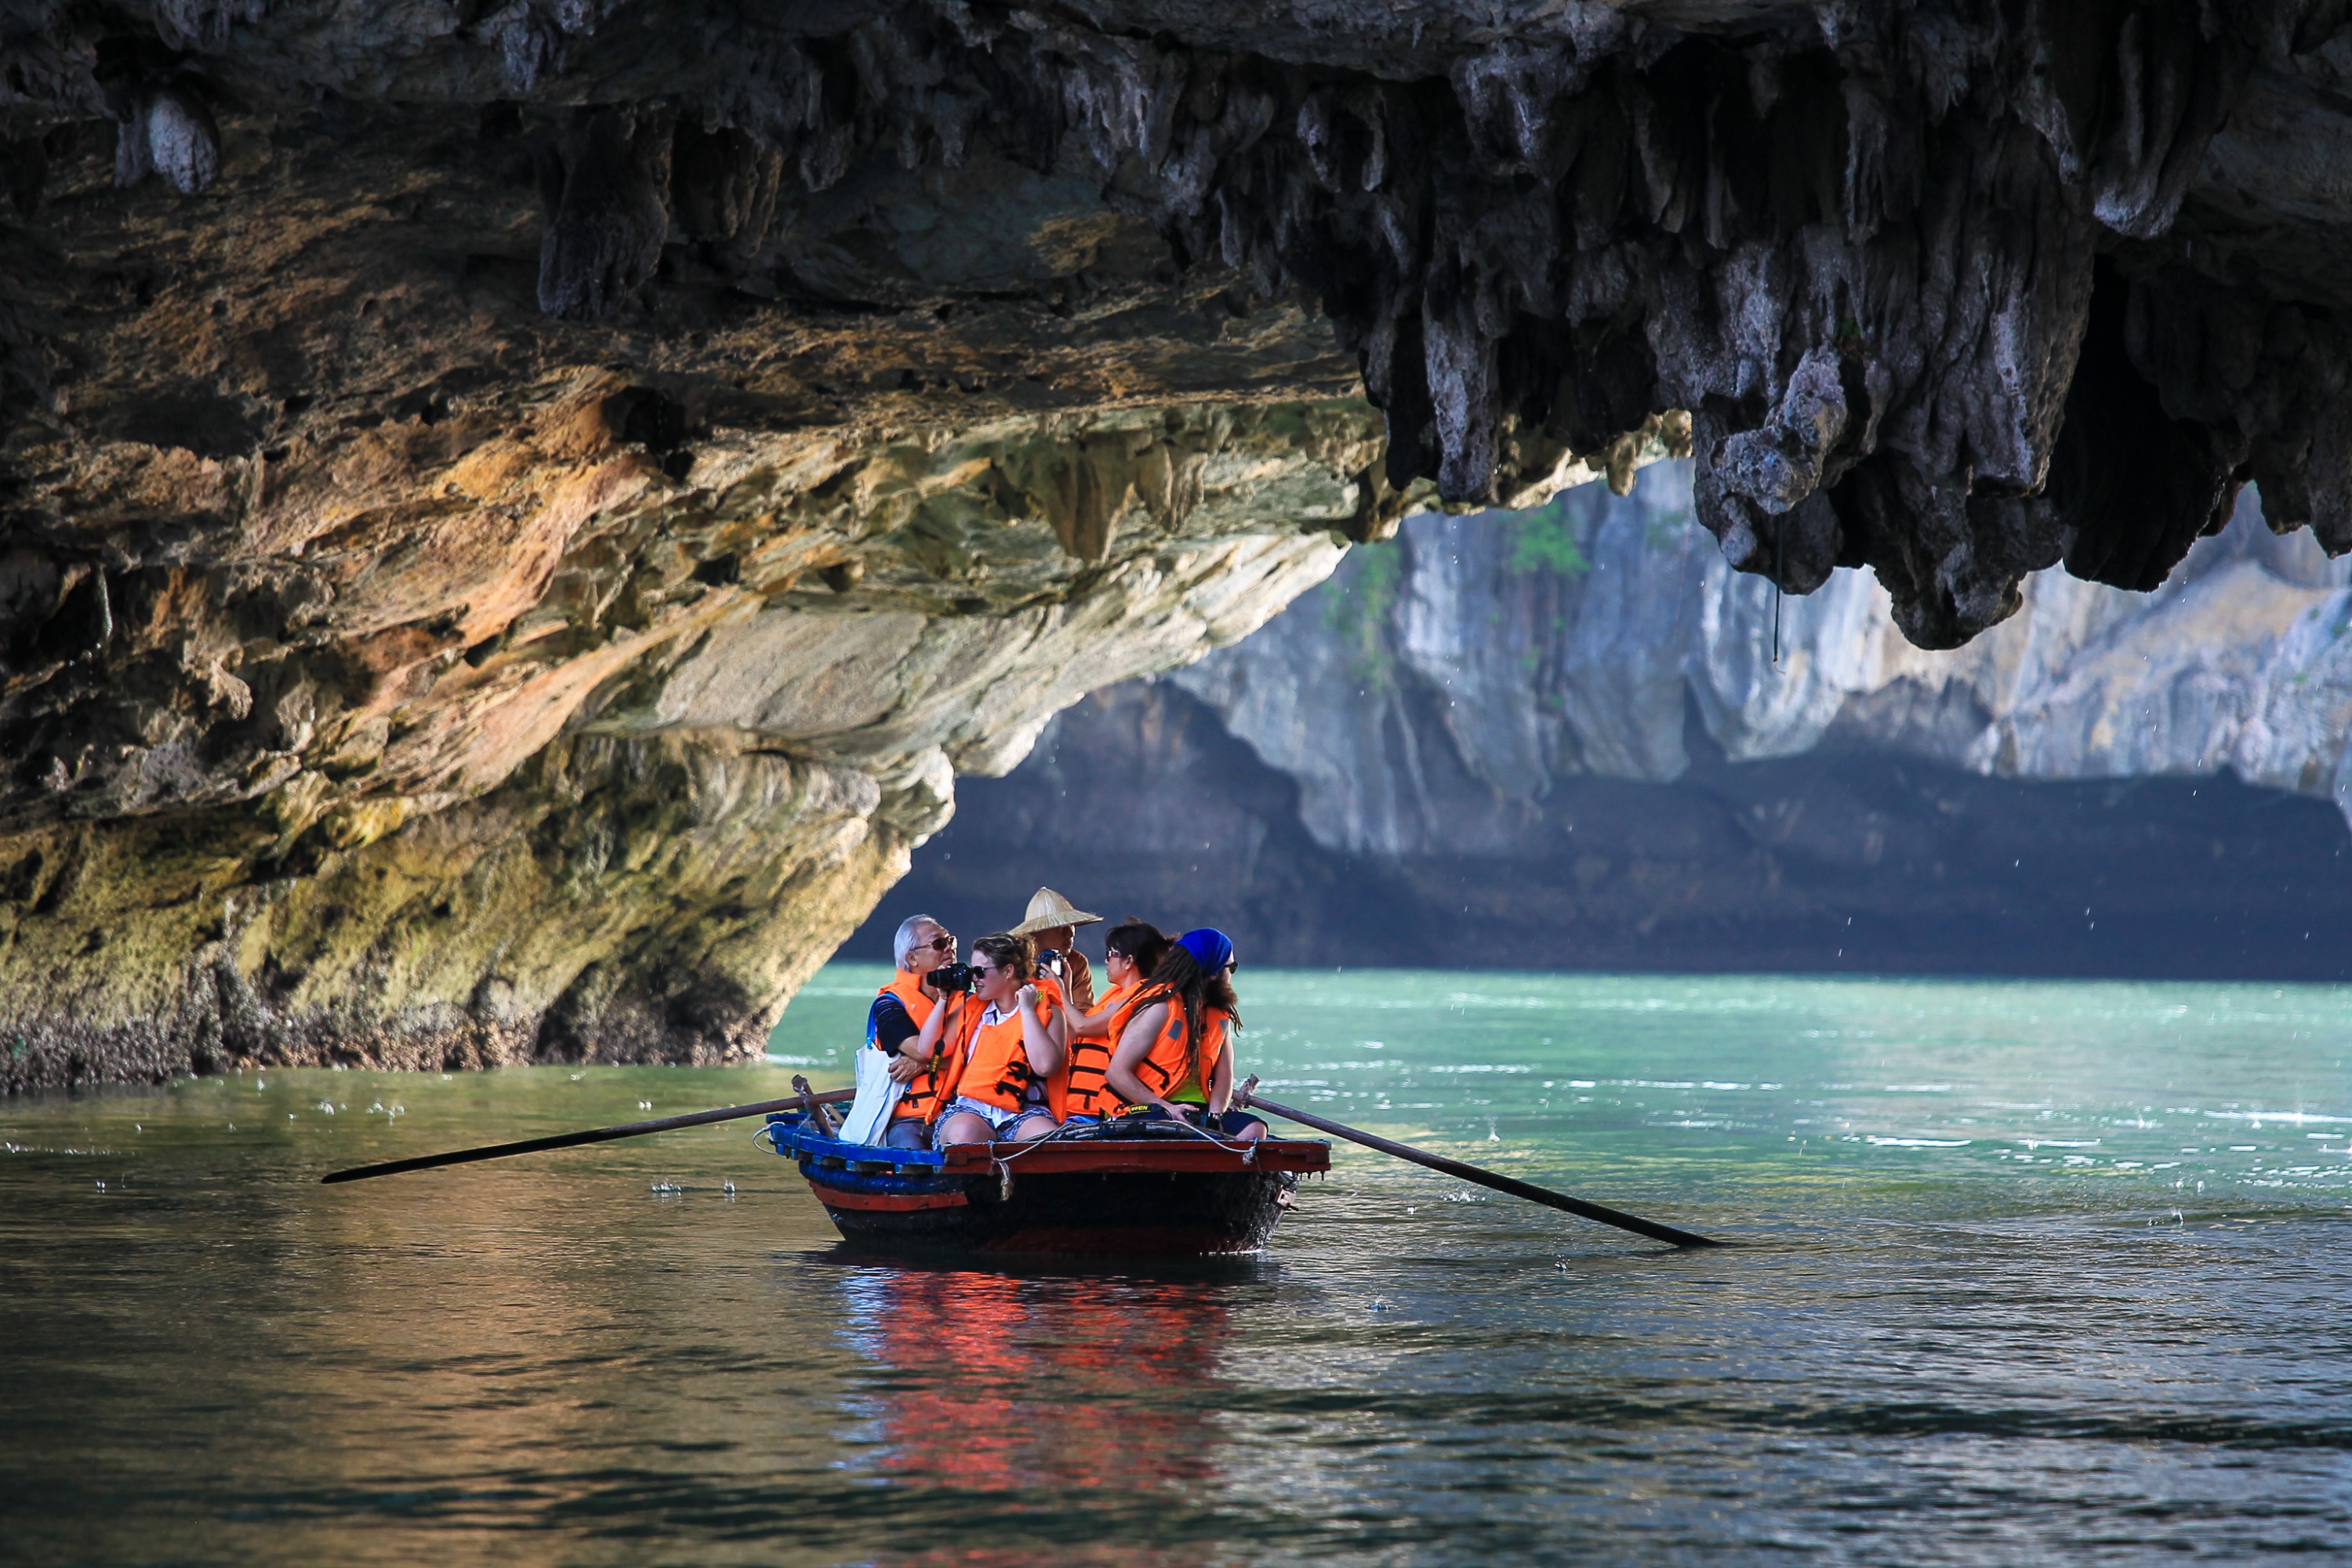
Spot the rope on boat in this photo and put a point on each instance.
(1004, 1163)
(1249, 1150)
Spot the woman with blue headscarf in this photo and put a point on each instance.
(1175, 1058)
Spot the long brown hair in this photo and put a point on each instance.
(1177, 979)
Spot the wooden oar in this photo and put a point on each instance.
(574, 1139)
(1246, 1095)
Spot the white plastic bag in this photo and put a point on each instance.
(877, 1095)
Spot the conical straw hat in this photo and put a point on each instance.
(1048, 910)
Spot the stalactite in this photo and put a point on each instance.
(1858, 245)
(1864, 247)
(610, 213)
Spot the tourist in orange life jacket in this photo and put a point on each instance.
(1079, 1091)
(1009, 1052)
(1050, 932)
(1175, 1056)
(910, 1019)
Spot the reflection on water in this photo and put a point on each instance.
(1018, 1400)
(1010, 1384)
(2029, 1273)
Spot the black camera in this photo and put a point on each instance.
(951, 978)
(1050, 961)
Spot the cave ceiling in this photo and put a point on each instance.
(1952, 290)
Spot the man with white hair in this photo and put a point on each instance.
(906, 1022)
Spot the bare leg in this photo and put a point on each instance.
(964, 1127)
(1032, 1127)
(1249, 1132)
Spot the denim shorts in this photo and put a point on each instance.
(999, 1120)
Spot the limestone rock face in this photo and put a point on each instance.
(430, 689)
(512, 515)
(621, 811)
(1471, 642)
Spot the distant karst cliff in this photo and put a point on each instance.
(2242, 662)
(1563, 738)
(514, 513)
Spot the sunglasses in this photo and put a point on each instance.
(941, 945)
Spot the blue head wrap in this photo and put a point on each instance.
(1211, 949)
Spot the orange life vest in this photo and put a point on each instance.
(995, 1059)
(1077, 1088)
(1048, 990)
(930, 1090)
(1175, 1067)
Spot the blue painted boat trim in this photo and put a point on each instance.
(859, 1167)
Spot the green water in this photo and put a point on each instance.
(2030, 1273)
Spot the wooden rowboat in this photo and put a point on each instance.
(1165, 1192)
(1139, 1188)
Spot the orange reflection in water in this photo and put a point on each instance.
(1097, 1391)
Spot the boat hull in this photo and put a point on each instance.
(1142, 1197)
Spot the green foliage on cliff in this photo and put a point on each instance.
(1544, 540)
(1356, 606)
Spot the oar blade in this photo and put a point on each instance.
(1496, 1180)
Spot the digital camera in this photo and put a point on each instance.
(951, 978)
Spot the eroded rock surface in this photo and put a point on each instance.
(621, 814)
(1471, 643)
(420, 693)
(515, 513)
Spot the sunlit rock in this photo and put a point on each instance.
(2241, 663)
